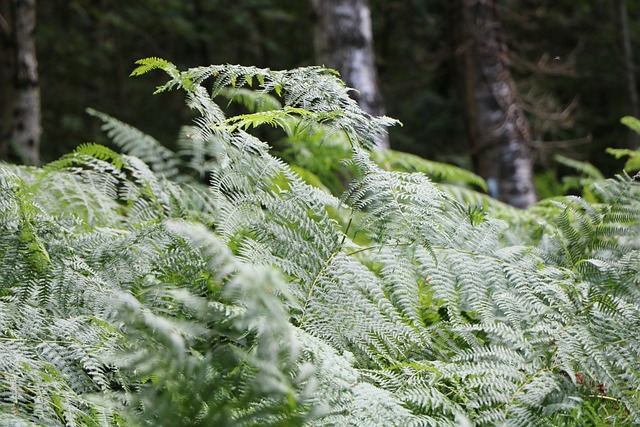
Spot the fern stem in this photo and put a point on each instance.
(367, 248)
(315, 281)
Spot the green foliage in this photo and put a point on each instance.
(587, 174)
(131, 294)
(319, 154)
(633, 163)
(587, 170)
(398, 161)
(632, 123)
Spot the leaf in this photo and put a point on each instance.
(153, 63)
(631, 122)
(633, 163)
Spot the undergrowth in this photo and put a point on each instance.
(222, 285)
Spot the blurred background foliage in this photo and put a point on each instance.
(565, 54)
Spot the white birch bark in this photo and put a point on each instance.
(622, 24)
(344, 41)
(496, 125)
(20, 128)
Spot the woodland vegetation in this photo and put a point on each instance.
(133, 294)
(277, 265)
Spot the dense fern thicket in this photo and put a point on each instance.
(133, 294)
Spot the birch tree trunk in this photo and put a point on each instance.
(495, 123)
(20, 127)
(344, 41)
(622, 25)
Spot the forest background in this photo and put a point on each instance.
(566, 57)
(209, 284)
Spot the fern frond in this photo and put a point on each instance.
(148, 64)
(399, 207)
(405, 162)
(135, 143)
(585, 168)
(255, 102)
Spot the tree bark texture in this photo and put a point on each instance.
(622, 25)
(20, 127)
(344, 41)
(495, 123)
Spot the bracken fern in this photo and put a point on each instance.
(214, 286)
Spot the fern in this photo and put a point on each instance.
(131, 295)
(405, 162)
(133, 142)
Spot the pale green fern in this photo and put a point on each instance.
(133, 296)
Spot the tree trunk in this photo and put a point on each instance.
(627, 68)
(19, 91)
(344, 41)
(496, 125)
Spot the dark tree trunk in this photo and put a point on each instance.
(496, 125)
(20, 127)
(627, 68)
(344, 41)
